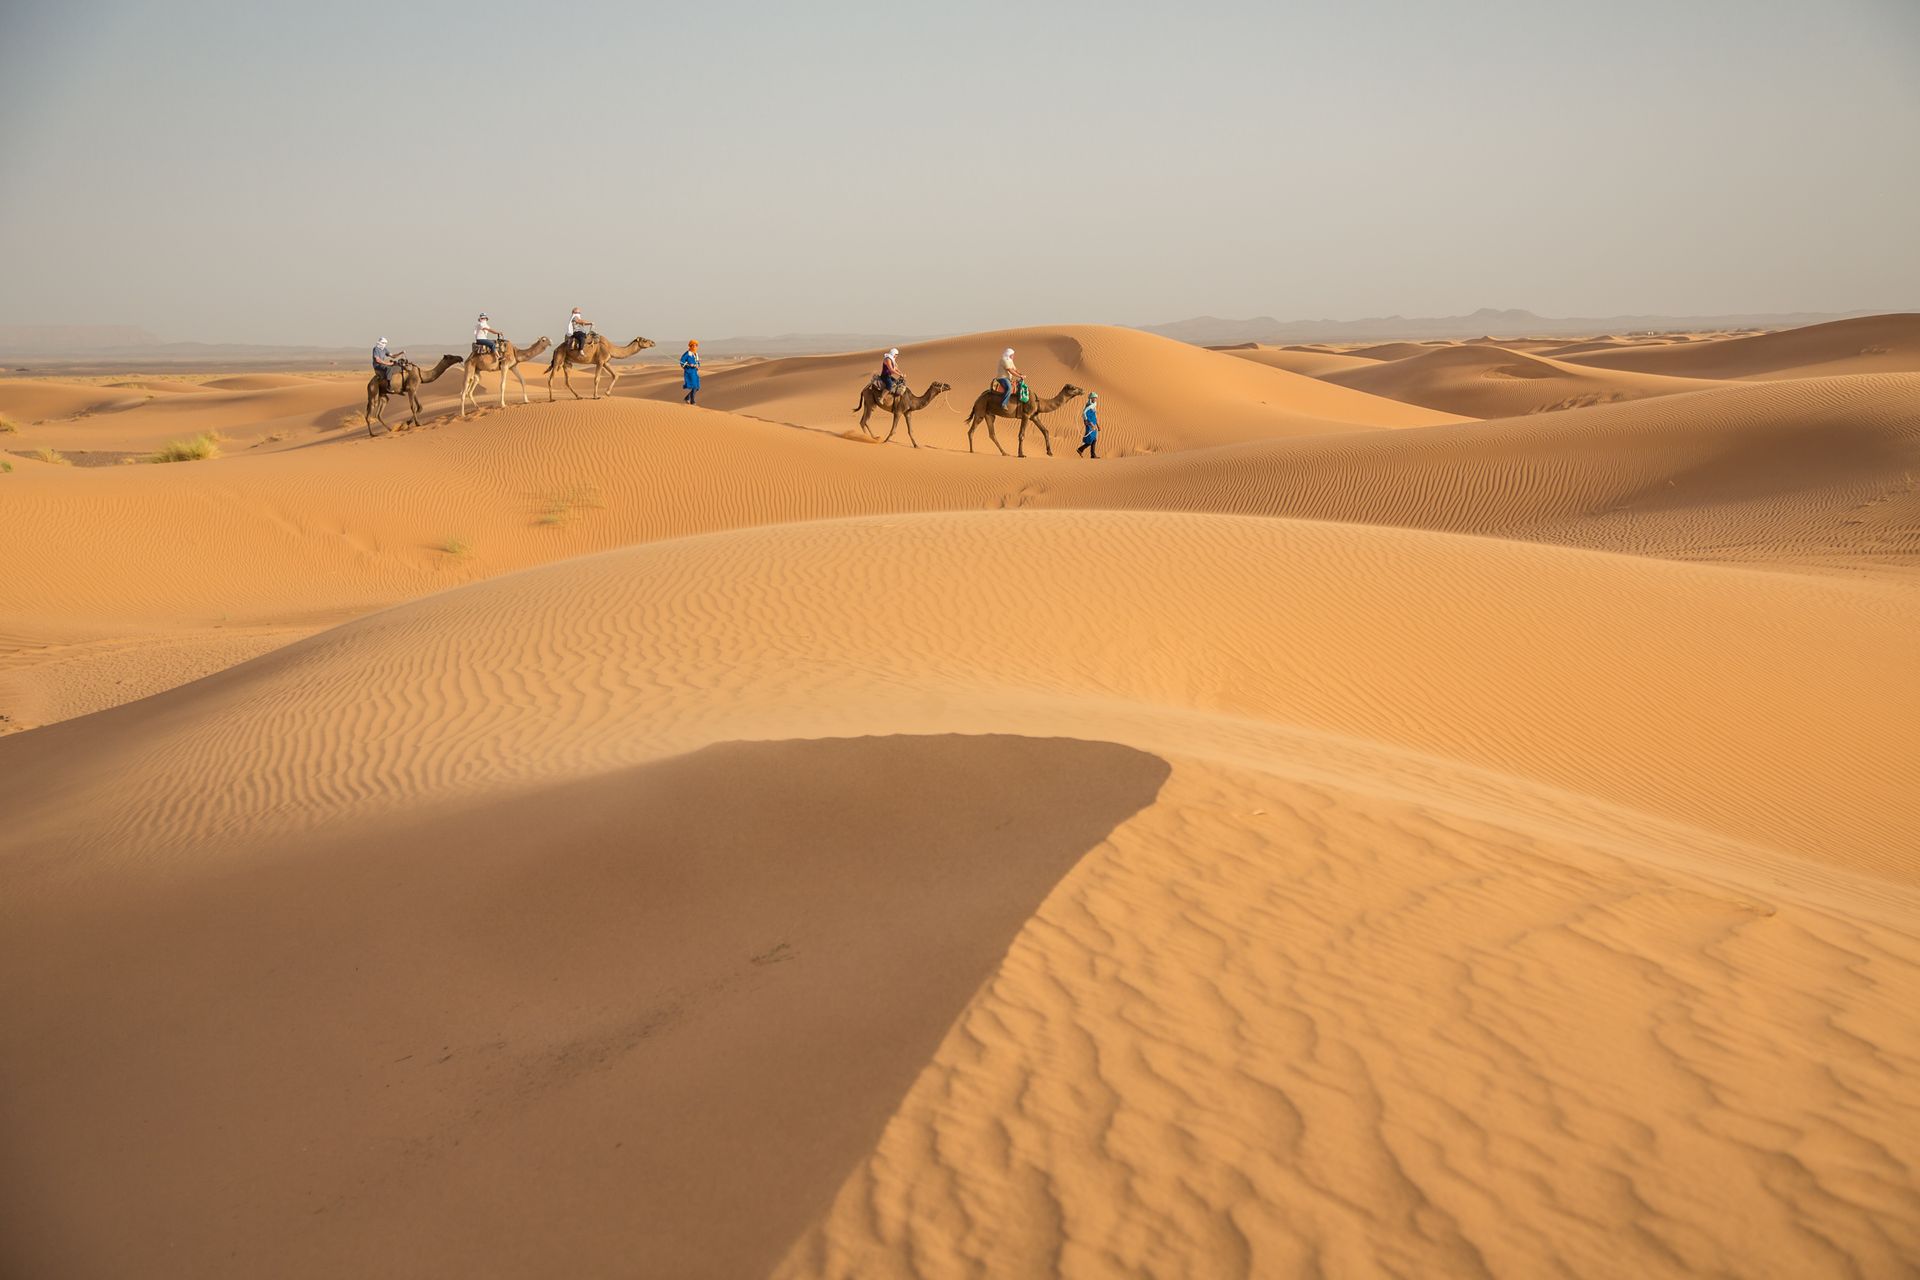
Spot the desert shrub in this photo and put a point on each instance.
(193, 449)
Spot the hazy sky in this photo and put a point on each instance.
(331, 171)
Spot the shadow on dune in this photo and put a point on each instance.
(641, 1024)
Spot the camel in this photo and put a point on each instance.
(598, 352)
(987, 408)
(871, 398)
(411, 380)
(507, 361)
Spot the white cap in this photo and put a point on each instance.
(382, 342)
(894, 352)
(1006, 353)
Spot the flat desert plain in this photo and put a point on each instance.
(1423, 809)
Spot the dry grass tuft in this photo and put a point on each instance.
(7, 425)
(193, 449)
(54, 456)
(558, 509)
(457, 547)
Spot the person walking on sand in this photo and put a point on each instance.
(1090, 426)
(578, 327)
(1010, 374)
(485, 336)
(690, 370)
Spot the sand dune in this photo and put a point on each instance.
(1334, 836)
(1493, 382)
(1314, 364)
(1811, 474)
(26, 402)
(1159, 395)
(1869, 344)
(1527, 853)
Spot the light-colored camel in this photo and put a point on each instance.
(507, 361)
(871, 398)
(597, 352)
(411, 380)
(987, 408)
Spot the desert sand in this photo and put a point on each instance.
(1436, 808)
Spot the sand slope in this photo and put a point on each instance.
(1314, 364)
(1868, 344)
(1813, 474)
(1367, 742)
(1481, 381)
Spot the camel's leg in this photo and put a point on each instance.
(613, 377)
(517, 378)
(910, 439)
(566, 376)
(414, 400)
(995, 435)
(1046, 437)
(972, 426)
(372, 413)
(467, 385)
(890, 430)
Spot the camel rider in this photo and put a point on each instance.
(578, 327)
(485, 336)
(385, 362)
(1009, 374)
(890, 379)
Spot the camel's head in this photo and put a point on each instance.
(1072, 392)
(447, 362)
(939, 388)
(644, 343)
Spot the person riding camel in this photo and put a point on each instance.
(578, 327)
(485, 336)
(888, 380)
(385, 362)
(1009, 374)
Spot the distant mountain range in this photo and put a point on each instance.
(1211, 331)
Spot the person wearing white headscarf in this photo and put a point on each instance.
(1010, 373)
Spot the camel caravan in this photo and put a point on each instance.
(1007, 394)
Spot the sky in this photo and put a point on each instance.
(331, 172)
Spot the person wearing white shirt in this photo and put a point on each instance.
(485, 335)
(578, 327)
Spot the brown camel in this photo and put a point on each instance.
(987, 408)
(411, 380)
(597, 352)
(507, 361)
(871, 398)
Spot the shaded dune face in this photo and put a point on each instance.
(657, 1015)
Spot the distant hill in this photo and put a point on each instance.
(1212, 331)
